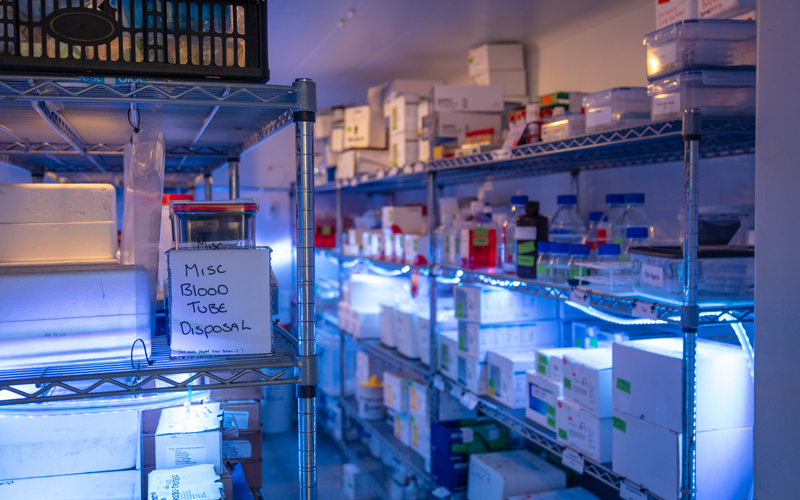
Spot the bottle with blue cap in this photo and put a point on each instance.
(558, 267)
(578, 254)
(591, 234)
(543, 261)
(635, 237)
(507, 244)
(608, 229)
(567, 225)
(635, 215)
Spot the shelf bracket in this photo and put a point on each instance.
(60, 125)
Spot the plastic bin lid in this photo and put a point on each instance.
(168, 197)
(717, 29)
(708, 77)
(244, 205)
(711, 252)
(604, 97)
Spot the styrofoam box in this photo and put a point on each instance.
(476, 340)
(700, 44)
(507, 380)
(497, 476)
(649, 455)
(403, 151)
(473, 374)
(57, 203)
(564, 127)
(671, 11)
(395, 391)
(364, 129)
(512, 81)
(494, 57)
(724, 9)
(61, 314)
(117, 485)
(491, 305)
(68, 444)
(455, 125)
(368, 365)
(647, 383)
(361, 161)
(448, 354)
(543, 396)
(387, 326)
(587, 380)
(189, 437)
(403, 117)
(365, 324)
(483, 99)
(551, 362)
(616, 108)
(58, 242)
(584, 432)
(568, 494)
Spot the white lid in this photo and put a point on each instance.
(604, 97)
(709, 78)
(708, 29)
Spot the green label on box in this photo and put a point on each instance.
(623, 385)
(460, 311)
(462, 343)
(480, 241)
(551, 410)
(578, 343)
(619, 424)
(541, 270)
(541, 369)
(526, 261)
(578, 271)
(480, 231)
(593, 343)
(527, 247)
(326, 230)
(567, 384)
(562, 434)
(543, 359)
(551, 422)
(445, 356)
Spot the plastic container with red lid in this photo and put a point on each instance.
(213, 225)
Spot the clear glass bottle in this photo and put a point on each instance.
(609, 229)
(446, 236)
(558, 267)
(531, 229)
(478, 239)
(635, 215)
(578, 254)
(508, 253)
(635, 237)
(591, 233)
(567, 225)
(543, 262)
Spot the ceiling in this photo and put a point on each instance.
(388, 39)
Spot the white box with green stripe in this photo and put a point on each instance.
(543, 396)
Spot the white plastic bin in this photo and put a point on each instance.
(701, 44)
(717, 94)
(330, 375)
(564, 127)
(616, 108)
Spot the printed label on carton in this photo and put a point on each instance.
(598, 116)
(658, 57)
(652, 275)
(666, 104)
(237, 449)
(183, 456)
(240, 417)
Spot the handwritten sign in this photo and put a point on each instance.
(220, 302)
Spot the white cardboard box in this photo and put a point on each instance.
(337, 140)
(491, 305)
(647, 383)
(448, 354)
(191, 436)
(587, 380)
(364, 129)
(343, 315)
(412, 88)
(495, 57)
(568, 494)
(473, 374)
(367, 291)
(550, 362)
(361, 161)
(418, 399)
(507, 380)
(403, 151)
(583, 432)
(420, 435)
(395, 391)
(409, 219)
(482, 99)
(403, 117)
(543, 396)
(417, 249)
(364, 324)
(50, 445)
(497, 476)
(455, 125)
(476, 340)
(402, 428)
(512, 81)
(649, 455)
(444, 323)
(368, 365)
(117, 485)
(387, 325)
(671, 11)
(58, 242)
(724, 9)
(323, 126)
(405, 336)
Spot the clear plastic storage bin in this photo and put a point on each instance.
(724, 274)
(564, 127)
(616, 108)
(717, 94)
(213, 225)
(701, 44)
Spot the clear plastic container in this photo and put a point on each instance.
(558, 267)
(717, 94)
(213, 225)
(635, 215)
(578, 255)
(508, 246)
(543, 262)
(724, 274)
(609, 230)
(616, 108)
(700, 44)
(330, 358)
(478, 239)
(609, 274)
(635, 237)
(564, 127)
(591, 234)
(567, 226)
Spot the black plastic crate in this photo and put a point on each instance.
(136, 38)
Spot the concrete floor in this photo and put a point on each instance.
(281, 479)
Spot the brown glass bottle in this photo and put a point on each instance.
(531, 229)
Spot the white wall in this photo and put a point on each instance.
(777, 435)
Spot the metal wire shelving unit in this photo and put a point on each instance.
(78, 127)
(688, 139)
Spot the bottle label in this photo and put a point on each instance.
(465, 238)
(480, 237)
(575, 272)
(526, 261)
(525, 233)
(525, 247)
(541, 269)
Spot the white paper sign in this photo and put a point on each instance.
(628, 491)
(598, 116)
(580, 296)
(220, 302)
(653, 275)
(644, 309)
(240, 448)
(469, 400)
(183, 456)
(573, 460)
(240, 417)
(666, 104)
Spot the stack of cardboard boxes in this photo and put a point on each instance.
(500, 64)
